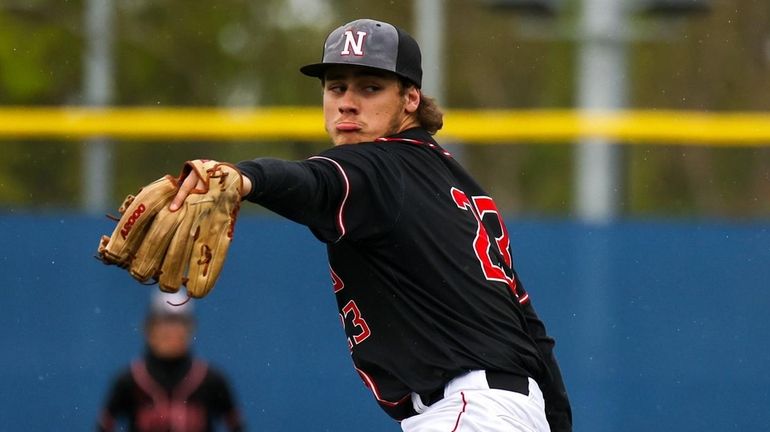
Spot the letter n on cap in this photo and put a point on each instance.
(357, 43)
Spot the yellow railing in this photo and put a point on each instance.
(306, 123)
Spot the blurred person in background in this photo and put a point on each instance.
(168, 389)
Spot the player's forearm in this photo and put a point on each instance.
(295, 190)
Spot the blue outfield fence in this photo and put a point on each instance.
(659, 325)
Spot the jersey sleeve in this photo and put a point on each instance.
(557, 405)
(223, 401)
(306, 192)
(353, 192)
(118, 403)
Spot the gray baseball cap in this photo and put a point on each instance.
(373, 44)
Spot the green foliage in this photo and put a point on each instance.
(40, 175)
(39, 58)
(246, 53)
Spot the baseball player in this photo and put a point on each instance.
(168, 389)
(440, 327)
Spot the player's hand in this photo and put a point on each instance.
(190, 183)
(193, 182)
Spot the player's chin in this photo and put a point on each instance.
(347, 137)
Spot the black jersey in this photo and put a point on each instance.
(170, 394)
(420, 264)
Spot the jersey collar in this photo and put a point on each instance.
(416, 136)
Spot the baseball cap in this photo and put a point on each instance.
(370, 43)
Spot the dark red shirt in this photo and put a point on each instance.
(157, 395)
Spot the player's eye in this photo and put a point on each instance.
(336, 88)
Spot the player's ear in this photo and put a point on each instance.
(412, 98)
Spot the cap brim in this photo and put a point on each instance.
(316, 70)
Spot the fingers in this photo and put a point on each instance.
(191, 182)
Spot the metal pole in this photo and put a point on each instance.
(429, 32)
(98, 90)
(601, 86)
(430, 16)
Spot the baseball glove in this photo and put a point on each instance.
(184, 247)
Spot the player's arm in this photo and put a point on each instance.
(557, 406)
(353, 193)
(118, 404)
(304, 192)
(308, 192)
(340, 192)
(223, 401)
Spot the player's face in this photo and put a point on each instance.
(169, 339)
(362, 104)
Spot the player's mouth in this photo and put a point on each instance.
(347, 126)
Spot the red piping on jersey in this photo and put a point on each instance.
(146, 383)
(465, 404)
(416, 142)
(192, 381)
(376, 391)
(341, 211)
(189, 383)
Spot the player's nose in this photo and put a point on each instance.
(348, 103)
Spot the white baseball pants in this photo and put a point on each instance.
(469, 405)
